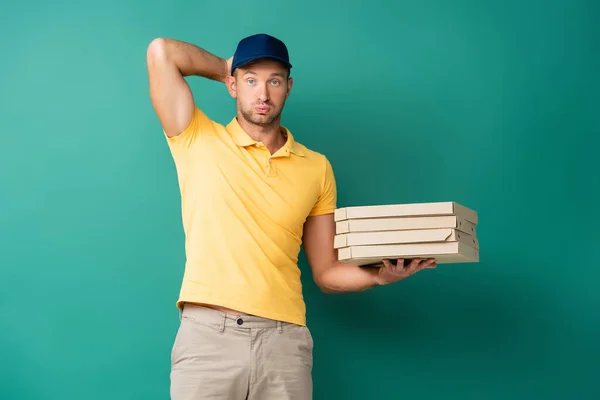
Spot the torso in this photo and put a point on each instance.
(243, 211)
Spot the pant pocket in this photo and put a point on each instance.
(309, 339)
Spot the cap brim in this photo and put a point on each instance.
(245, 61)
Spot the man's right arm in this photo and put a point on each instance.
(169, 61)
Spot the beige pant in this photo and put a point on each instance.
(222, 356)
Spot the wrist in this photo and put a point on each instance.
(228, 63)
(377, 278)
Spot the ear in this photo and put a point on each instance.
(231, 85)
(289, 88)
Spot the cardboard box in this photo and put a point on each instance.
(445, 231)
(407, 210)
(405, 223)
(443, 252)
(405, 236)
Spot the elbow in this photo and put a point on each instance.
(326, 289)
(318, 280)
(323, 285)
(329, 289)
(157, 49)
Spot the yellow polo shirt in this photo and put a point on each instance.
(243, 212)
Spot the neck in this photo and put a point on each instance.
(270, 135)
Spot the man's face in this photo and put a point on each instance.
(260, 90)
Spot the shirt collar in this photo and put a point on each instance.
(242, 139)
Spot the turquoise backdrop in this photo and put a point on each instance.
(493, 104)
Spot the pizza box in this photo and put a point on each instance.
(405, 223)
(406, 210)
(404, 236)
(442, 252)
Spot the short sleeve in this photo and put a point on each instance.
(327, 200)
(198, 126)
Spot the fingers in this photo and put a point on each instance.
(400, 268)
(417, 264)
(394, 268)
(413, 267)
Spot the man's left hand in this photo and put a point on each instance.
(391, 273)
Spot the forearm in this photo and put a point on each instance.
(342, 277)
(190, 59)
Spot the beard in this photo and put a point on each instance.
(260, 119)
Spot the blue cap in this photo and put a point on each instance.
(260, 46)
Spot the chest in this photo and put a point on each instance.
(281, 189)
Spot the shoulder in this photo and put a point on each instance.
(314, 157)
(323, 177)
(317, 166)
(199, 127)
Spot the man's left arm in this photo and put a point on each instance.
(333, 276)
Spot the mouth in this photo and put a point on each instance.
(262, 109)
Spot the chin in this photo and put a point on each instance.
(259, 119)
(262, 119)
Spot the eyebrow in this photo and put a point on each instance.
(273, 74)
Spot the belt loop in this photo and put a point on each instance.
(222, 323)
(279, 328)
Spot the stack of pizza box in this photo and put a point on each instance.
(445, 231)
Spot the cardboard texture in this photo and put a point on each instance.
(405, 223)
(405, 210)
(445, 231)
(407, 236)
(444, 253)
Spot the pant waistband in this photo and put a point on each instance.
(221, 319)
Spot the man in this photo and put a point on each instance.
(251, 196)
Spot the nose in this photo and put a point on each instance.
(263, 93)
